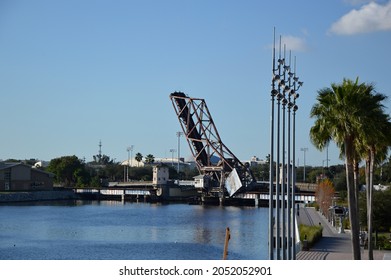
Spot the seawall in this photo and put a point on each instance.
(36, 196)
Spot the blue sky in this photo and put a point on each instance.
(73, 73)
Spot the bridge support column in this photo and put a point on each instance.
(123, 196)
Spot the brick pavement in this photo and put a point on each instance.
(333, 245)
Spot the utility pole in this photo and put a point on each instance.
(327, 155)
(179, 134)
(127, 166)
(304, 150)
(130, 150)
(100, 150)
(172, 151)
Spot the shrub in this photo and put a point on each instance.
(311, 233)
(384, 243)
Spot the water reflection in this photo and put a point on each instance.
(116, 230)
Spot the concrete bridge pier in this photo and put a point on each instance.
(123, 196)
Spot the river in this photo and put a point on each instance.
(112, 230)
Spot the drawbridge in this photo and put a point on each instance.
(226, 174)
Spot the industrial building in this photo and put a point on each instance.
(22, 177)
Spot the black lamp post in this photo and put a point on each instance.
(282, 222)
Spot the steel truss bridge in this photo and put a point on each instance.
(227, 175)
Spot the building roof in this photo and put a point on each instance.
(6, 165)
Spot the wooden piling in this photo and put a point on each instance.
(227, 238)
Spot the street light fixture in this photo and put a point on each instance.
(285, 85)
(304, 150)
(131, 155)
(172, 151)
(179, 134)
(129, 149)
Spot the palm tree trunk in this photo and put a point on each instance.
(356, 176)
(354, 225)
(357, 184)
(368, 187)
(369, 205)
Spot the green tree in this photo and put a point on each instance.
(114, 171)
(189, 173)
(69, 171)
(338, 116)
(149, 159)
(381, 211)
(138, 158)
(141, 173)
(373, 145)
(261, 171)
(385, 171)
(102, 159)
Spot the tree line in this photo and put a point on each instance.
(71, 171)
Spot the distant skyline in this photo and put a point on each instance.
(73, 73)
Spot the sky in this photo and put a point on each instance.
(76, 72)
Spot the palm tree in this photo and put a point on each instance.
(376, 140)
(369, 166)
(339, 111)
(149, 159)
(138, 158)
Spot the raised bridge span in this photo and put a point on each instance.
(228, 175)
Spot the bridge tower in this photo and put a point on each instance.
(212, 157)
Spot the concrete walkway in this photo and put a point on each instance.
(333, 245)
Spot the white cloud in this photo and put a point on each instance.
(369, 18)
(294, 43)
(357, 2)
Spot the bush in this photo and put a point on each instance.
(313, 204)
(311, 233)
(384, 243)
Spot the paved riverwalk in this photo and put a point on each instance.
(333, 245)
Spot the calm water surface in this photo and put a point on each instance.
(142, 231)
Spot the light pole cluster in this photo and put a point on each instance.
(130, 151)
(282, 219)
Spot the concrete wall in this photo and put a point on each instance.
(37, 196)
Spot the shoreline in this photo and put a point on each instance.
(26, 196)
(7, 198)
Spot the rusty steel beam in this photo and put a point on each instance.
(204, 140)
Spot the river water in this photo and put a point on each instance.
(112, 230)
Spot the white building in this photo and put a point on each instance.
(133, 163)
(201, 182)
(160, 175)
(254, 161)
(167, 161)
